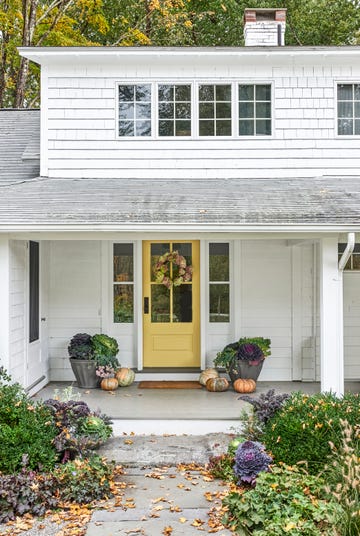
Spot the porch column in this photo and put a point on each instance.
(331, 318)
(4, 302)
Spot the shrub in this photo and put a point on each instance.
(26, 428)
(343, 480)
(286, 500)
(26, 492)
(305, 426)
(250, 460)
(84, 481)
(222, 467)
(78, 429)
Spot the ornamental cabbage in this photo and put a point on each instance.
(104, 346)
(250, 460)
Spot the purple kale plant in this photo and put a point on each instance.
(251, 353)
(266, 405)
(250, 460)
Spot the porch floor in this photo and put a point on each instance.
(158, 411)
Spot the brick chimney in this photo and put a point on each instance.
(264, 27)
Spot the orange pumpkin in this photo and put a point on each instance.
(109, 384)
(242, 385)
(217, 384)
(206, 374)
(125, 376)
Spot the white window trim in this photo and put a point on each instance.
(230, 283)
(234, 83)
(121, 325)
(336, 132)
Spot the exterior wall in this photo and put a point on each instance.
(79, 116)
(18, 310)
(352, 325)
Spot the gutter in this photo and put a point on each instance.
(348, 251)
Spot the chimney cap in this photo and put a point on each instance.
(250, 13)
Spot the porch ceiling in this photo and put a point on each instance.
(44, 203)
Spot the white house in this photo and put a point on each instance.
(246, 160)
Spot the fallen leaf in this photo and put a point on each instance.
(197, 523)
(182, 519)
(167, 531)
(128, 442)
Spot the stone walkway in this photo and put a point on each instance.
(160, 496)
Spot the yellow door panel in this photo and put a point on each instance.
(171, 316)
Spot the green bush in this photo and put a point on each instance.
(304, 426)
(286, 500)
(85, 480)
(26, 428)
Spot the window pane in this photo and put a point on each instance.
(184, 249)
(206, 110)
(246, 109)
(182, 303)
(357, 91)
(357, 127)
(183, 128)
(345, 127)
(263, 93)
(263, 127)
(166, 110)
(126, 111)
(357, 109)
(223, 93)
(123, 262)
(34, 291)
(183, 93)
(356, 262)
(219, 262)
(166, 128)
(126, 93)
(246, 93)
(246, 128)
(206, 93)
(263, 109)
(223, 128)
(223, 110)
(166, 93)
(157, 250)
(206, 128)
(143, 93)
(126, 128)
(143, 128)
(345, 109)
(219, 302)
(123, 303)
(160, 304)
(183, 111)
(345, 91)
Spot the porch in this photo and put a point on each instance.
(176, 411)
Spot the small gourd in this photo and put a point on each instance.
(217, 384)
(109, 384)
(206, 374)
(125, 377)
(242, 385)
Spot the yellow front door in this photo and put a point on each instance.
(171, 315)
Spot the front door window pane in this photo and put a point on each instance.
(160, 304)
(156, 251)
(182, 303)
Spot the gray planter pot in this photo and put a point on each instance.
(242, 369)
(85, 373)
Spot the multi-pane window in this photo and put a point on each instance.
(354, 260)
(123, 283)
(348, 102)
(215, 110)
(219, 282)
(135, 110)
(174, 110)
(254, 109)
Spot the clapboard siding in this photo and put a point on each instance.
(352, 325)
(18, 272)
(81, 120)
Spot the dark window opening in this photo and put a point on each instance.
(34, 301)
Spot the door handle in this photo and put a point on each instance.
(146, 306)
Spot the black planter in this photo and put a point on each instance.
(85, 373)
(242, 369)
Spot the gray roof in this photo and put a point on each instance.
(200, 203)
(19, 145)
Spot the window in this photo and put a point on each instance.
(219, 282)
(174, 104)
(354, 261)
(348, 96)
(255, 110)
(34, 291)
(123, 283)
(135, 110)
(215, 110)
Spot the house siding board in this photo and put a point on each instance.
(352, 325)
(82, 109)
(17, 313)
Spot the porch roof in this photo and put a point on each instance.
(325, 203)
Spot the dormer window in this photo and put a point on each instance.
(135, 110)
(254, 110)
(174, 110)
(348, 97)
(215, 110)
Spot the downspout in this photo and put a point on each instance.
(348, 251)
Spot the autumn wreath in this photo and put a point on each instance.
(162, 270)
